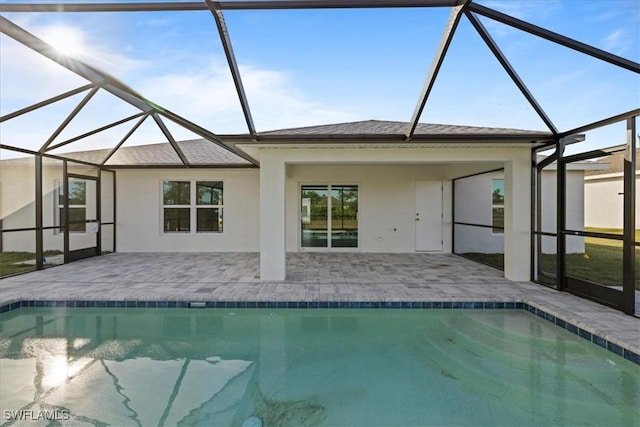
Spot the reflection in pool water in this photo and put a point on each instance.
(307, 367)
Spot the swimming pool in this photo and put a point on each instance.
(307, 367)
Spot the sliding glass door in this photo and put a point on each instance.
(344, 216)
(329, 216)
(314, 216)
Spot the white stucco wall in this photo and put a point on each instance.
(604, 202)
(17, 205)
(139, 206)
(473, 198)
(473, 205)
(387, 202)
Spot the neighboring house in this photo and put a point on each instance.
(604, 190)
(347, 187)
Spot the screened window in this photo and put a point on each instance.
(497, 205)
(77, 206)
(192, 206)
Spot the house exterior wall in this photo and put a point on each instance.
(139, 204)
(603, 199)
(386, 207)
(387, 202)
(473, 206)
(17, 206)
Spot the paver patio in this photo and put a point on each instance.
(310, 277)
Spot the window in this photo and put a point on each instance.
(188, 203)
(497, 206)
(77, 206)
(329, 216)
(209, 206)
(176, 201)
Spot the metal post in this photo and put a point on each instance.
(453, 216)
(114, 210)
(561, 215)
(629, 248)
(539, 217)
(99, 212)
(65, 209)
(534, 209)
(38, 206)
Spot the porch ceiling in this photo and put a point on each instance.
(230, 150)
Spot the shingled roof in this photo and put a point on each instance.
(197, 152)
(615, 162)
(379, 127)
(203, 152)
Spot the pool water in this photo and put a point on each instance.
(218, 367)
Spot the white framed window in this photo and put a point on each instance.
(192, 206)
(77, 206)
(329, 216)
(497, 206)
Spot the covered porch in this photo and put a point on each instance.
(391, 205)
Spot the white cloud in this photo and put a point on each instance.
(526, 9)
(204, 94)
(27, 77)
(534, 11)
(617, 42)
(279, 104)
(208, 98)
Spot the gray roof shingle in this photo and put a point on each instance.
(197, 152)
(615, 162)
(378, 127)
(204, 152)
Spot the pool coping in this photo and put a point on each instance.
(613, 345)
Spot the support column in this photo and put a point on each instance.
(517, 218)
(272, 220)
(561, 216)
(629, 248)
(38, 206)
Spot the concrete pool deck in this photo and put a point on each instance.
(310, 277)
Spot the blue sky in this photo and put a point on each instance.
(311, 67)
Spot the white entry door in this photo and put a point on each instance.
(428, 216)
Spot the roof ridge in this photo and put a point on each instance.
(388, 127)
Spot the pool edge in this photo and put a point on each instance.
(611, 344)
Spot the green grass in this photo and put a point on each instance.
(601, 263)
(607, 242)
(13, 262)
